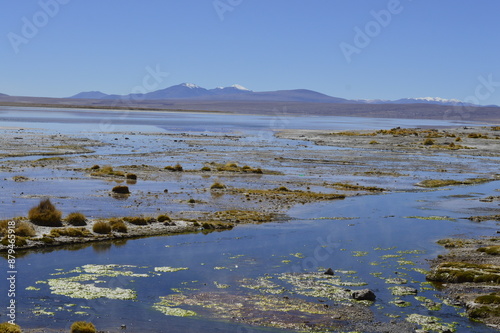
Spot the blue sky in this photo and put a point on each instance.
(443, 48)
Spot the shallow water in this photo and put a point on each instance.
(380, 230)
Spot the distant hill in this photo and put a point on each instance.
(4, 95)
(190, 91)
(90, 95)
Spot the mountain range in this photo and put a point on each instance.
(189, 91)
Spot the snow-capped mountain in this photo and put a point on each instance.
(238, 92)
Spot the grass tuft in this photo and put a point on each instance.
(76, 219)
(102, 227)
(83, 327)
(45, 214)
(10, 328)
(121, 189)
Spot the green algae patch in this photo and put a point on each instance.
(32, 288)
(432, 183)
(267, 310)
(430, 323)
(168, 269)
(359, 253)
(81, 282)
(298, 255)
(402, 291)
(221, 285)
(176, 312)
(263, 285)
(88, 291)
(42, 312)
(388, 256)
(459, 272)
(433, 218)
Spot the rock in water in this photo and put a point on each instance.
(363, 295)
(329, 271)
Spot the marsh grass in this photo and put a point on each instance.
(83, 327)
(118, 225)
(493, 250)
(22, 229)
(449, 182)
(352, 187)
(70, 232)
(163, 218)
(102, 227)
(106, 170)
(459, 272)
(76, 219)
(45, 214)
(18, 241)
(135, 220)
(217, 186)
(175, 168)
(10, 328)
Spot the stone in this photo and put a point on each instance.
(329, 271)
(363, 295)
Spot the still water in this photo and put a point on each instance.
(370, 237)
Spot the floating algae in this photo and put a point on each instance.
(83, 284)
(168, 269)
(430, 323)
(264, 310)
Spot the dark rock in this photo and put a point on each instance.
(329, 271)
(363, 295)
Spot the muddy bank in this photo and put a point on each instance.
(470, 274)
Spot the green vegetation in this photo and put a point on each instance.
(484, 312)
(118, 225)
(492, 298)
(205, 168)
(163, 218)
(21, 228)
(69, 232)
(428, 142)
(351, 187)
(234, 167)
(452, 242)
(106, 170)
(175, 168)
(121, 189)
(136, 220)
(447, 182)
(83, 327)
(374, 142)
(217, 186)
(459, 272)
(19, 241)
(76, 219)
(45, 214)
(10, 328)
(242, 216)
(485, 218)
(102, 227)
(57, 158)
(492, 250)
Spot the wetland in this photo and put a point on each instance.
(220, 222)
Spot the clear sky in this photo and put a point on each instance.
(415, 48)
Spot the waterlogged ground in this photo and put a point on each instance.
(256, 277)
